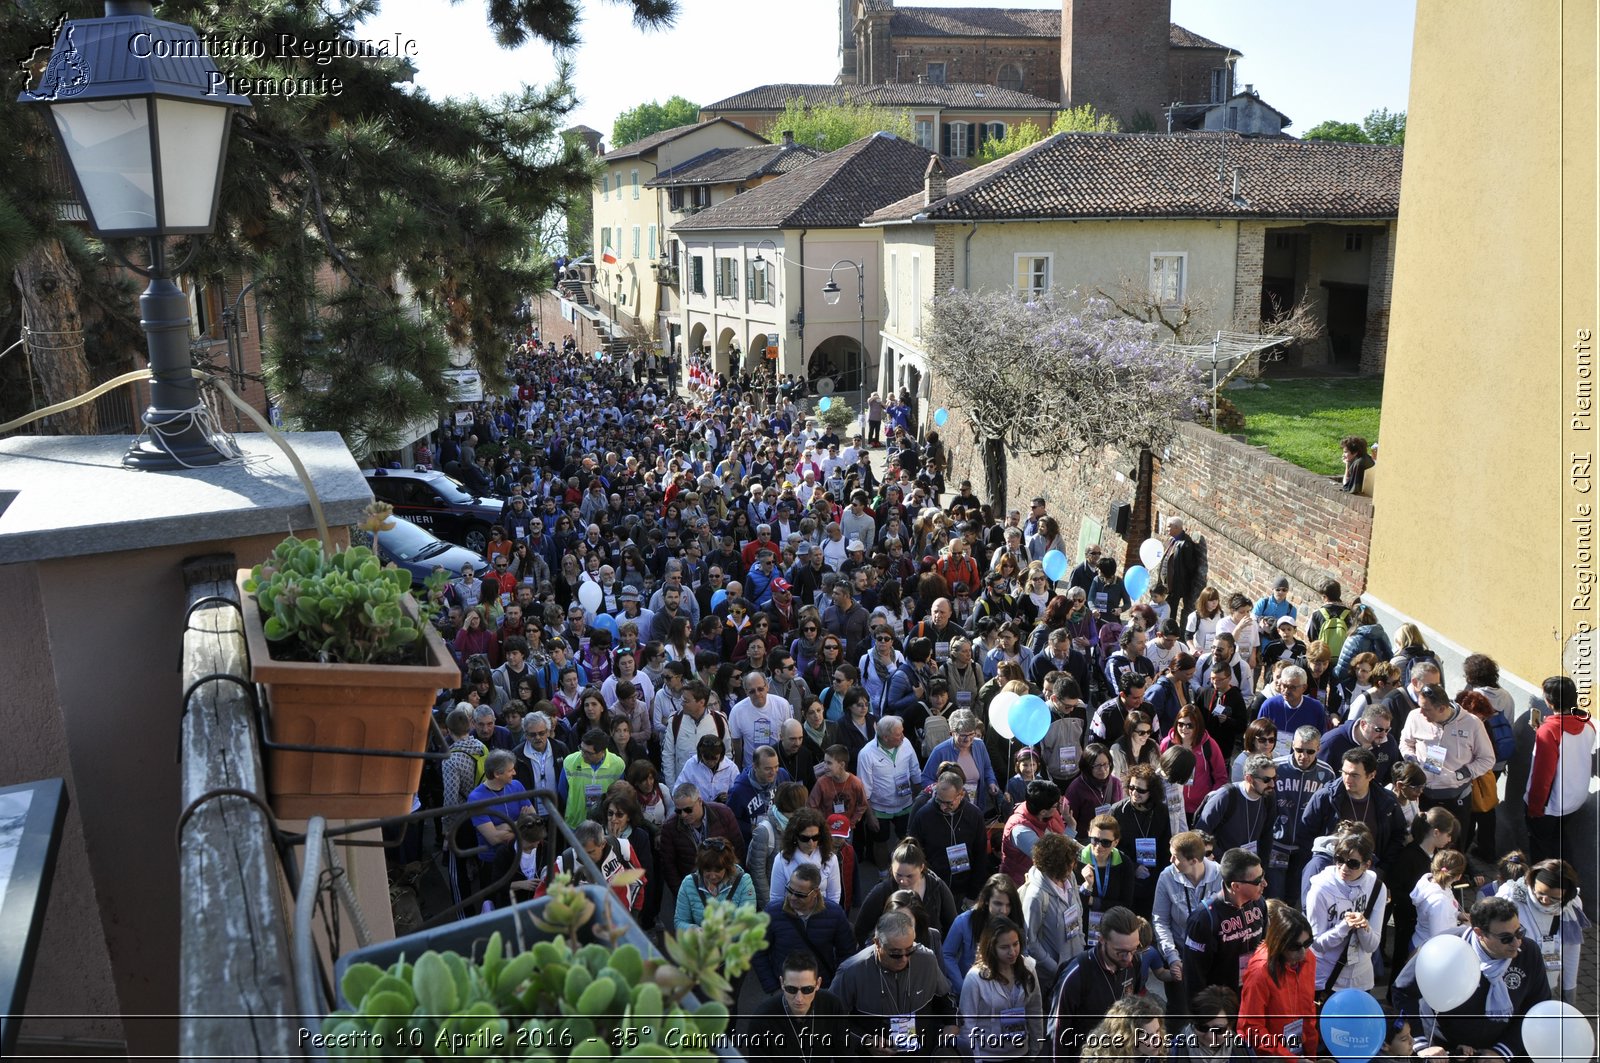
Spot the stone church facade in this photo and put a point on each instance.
(1126, 57)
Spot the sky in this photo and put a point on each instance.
(1311, 59)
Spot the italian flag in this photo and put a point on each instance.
(608, 256)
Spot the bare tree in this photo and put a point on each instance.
(1056, 377)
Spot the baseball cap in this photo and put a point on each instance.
(780, 584)
(629, 594)
(1282, 584)
(839, 825)
(802, 550)
(855, 544)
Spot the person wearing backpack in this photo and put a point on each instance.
(686, 727)
(788, 799)
(463, 771)
(1331, 622)
(1485, 788)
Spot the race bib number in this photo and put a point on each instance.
(902, 789)
(1094, 928)
(583, 643)
(941, 649)
(1069, 760)
(1145, 851)
(903, 1033)
(1434, 764)
(1249, 847)
(972, 790)
(1294, 1036)
(1550, 948)
(963, 698)
(1014, 1022)
(1102, 810)
(592, 794)
(959, 862)
(1278, 859)
(838, 806)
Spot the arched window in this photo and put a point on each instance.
(1009, 77)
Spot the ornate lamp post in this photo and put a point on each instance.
(140, 118)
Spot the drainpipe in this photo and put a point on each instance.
(966, 258)
(800, 329)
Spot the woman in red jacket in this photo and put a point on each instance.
(1278, 989)
(1210, 769)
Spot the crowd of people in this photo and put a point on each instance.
(730, 650)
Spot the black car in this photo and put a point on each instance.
(438, 504)
(418, 551)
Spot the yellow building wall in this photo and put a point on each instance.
(1480, 476)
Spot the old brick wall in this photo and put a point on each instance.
(977, 60)
(1261, 516)
(1115, 55)
(1189, 75)
(552, 326)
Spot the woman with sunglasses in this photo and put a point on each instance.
(1346, 904)
(806, 839)
(1137, 744)
(806, 646)
(1277, 998)
(717, 877)
(1210, 1035)
(1146, 831)
(1210, 769)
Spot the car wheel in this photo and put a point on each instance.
(477, 539)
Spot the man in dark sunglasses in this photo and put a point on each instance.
(1511, 979)
(1374, 731)
(897, 992)
(1223, 932)
(801, 1020)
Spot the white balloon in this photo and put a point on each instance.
(1554, 1031)
(1151, 551)
(1000, 712)
(1447, 972)
(589, 596)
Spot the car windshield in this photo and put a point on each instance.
(450, 490)
(407, 542)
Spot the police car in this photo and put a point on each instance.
(439, 504)
(418, 551)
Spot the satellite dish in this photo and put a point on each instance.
(825, 385)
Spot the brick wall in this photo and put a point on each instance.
(1380, 289)
(944, 259)
(1114, 54)
(977, 60)
(1252, 243)
(1262, 517)
(552, 326)
(1189, 75)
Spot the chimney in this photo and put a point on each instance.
(933, 182)
(1249, 89)
(788, 138)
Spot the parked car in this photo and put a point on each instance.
(418, 550)
(438, 503)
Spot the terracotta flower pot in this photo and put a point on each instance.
(356, 706)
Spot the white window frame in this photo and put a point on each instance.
(760, 284)
(635, 180)
(1031, 258)
(894, 289)
(958, 148)
(1160, 296)
(916, 296)
(926, 134)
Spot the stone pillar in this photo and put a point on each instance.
(1247, 256)
(944, 260)
(1380, 286)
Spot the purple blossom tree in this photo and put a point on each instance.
(1057, 377)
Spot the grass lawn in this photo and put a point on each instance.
(1302, 421)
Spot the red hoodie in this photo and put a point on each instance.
(1267, 1010)
(1562, 748)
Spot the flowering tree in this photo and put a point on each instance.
(1057, 377)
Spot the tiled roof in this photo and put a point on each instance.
(1006, 22)
(837, 190)
(975, 22)
(645, 145)
(950, 97)
(723, 165)
(1145, 175)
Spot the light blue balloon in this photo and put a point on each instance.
(940, 416)
(1055, 565)
(718, 598)
(1030, 719)
(606, 622)
(1352, 1026)
(824, 402)
(1137, 581)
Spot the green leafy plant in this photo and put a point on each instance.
(556, 999)
(345, 607)
(838, 416)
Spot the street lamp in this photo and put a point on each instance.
(136, 107)
(830, 295)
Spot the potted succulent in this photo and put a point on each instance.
(347, 661)
(567, 976)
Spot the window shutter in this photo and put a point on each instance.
(972, 139)
(944, 138)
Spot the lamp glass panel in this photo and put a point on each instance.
(193, 140)
(108, 146)
(830, 294)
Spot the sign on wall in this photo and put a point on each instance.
(466, 385)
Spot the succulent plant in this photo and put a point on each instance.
(344, 608)
(556, 999)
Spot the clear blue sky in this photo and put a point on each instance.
(1311, 59)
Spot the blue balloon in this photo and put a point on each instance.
(606, 622)
(940, 416)
(718, 598)
(1055, 564)
(1352, 1026)
(1030, 719)
(824, 402)
(1137, 581)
